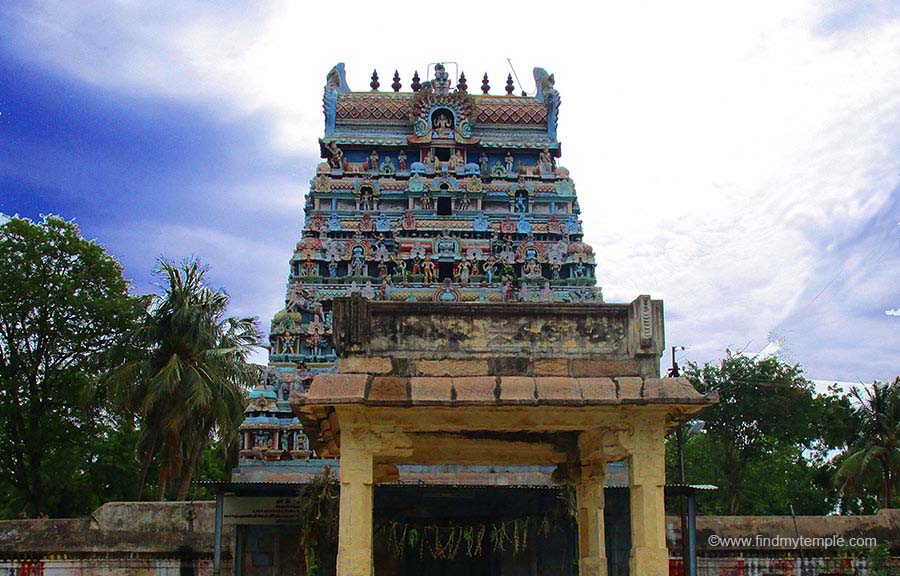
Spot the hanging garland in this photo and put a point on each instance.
(448, 542)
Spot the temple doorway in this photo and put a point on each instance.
(473, 531)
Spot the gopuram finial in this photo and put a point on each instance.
(396, 85)
(441, 83)
(415, 82)
(510, 87)
(461, 83)
(374, 83)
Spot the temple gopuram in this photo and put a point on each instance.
(427, 195)
(445, 351)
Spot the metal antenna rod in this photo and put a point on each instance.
(509, 60)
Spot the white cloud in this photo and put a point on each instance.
(719, 148)
(893, 312)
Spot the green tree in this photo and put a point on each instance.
(63, 305)
(766, 444)
(874, 447)
(186, 375)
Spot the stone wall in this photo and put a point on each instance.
(769, 545)
(176, 539)
(119, 538)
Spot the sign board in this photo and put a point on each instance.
(260, 510)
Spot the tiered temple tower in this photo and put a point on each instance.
(431, 194)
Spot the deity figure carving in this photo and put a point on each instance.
(317, 312)
(373, 160)
(287, 342)
(463, 202)
(546, 160)
(483, 163)
(382, 223)
(401, 160)
(490, 269)
(508, 163)
(400, 266)
(498, 170)
(524, 293)
(358, 266)
(428, 271)
(441, 82)
(426, 201)
(465, 268)
(365, 199)
(521, 204)
(546, 294)
(310, 267)
(442, 125)
(300, 295)
(508, 291)
(335, 160)
(368, 291)
(315, 331)
(531, 269)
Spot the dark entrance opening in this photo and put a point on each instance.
(443, 154)
(444, 206)
(538, 535)
(445, 270)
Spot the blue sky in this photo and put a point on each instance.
(741, 162)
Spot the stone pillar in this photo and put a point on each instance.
(591, 537)
(355, 523)
(647, 479)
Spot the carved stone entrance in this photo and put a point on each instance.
(570, 386)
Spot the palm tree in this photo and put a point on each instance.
(187, 374)
(875, 446)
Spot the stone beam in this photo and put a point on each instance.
(440, 449)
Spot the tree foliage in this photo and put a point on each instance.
(766, 444)
(63, 305)
(874, 445)
(186, 375)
